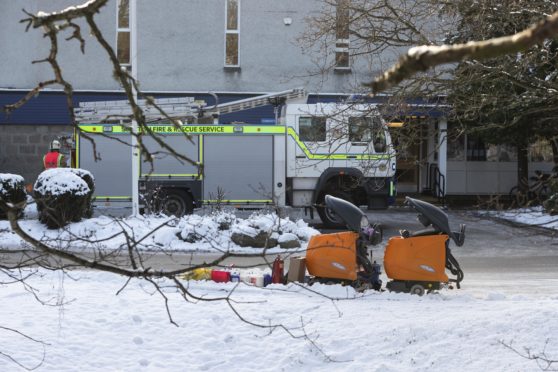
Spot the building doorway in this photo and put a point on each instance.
(411, 145)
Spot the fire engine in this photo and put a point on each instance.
(311, 150)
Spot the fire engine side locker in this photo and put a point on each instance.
(113, 172)
(239, 164)
(170, 171)
(165, 164)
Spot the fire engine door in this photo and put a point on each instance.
(367, 137)
(320, 144)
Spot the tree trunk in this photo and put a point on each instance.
(523, 166)
(554, 144)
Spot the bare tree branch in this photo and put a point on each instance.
(422, 58)
(543, 361)
(14, 360)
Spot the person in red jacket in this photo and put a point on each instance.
(53, 158)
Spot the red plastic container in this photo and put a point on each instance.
(220, 276)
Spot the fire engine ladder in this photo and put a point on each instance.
(177, 108)
(258, 101)
(114, 111)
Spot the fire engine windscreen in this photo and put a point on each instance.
(367, 129)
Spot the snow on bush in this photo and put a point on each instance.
(9, 182)
(63, 195)
(12, 190)
(60, 181)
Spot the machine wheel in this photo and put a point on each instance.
(417, 289)
(328, 217)
(175, 202)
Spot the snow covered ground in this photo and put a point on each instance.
(334, 328)
(534, 216)
(161, 233)
(95, 329)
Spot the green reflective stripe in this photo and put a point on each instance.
(99, 128)
(391, 188)
(113, 197)
(200, 157)
(190, 129)
(195, 175)
(318, 156)
(77, 156)
(239, 130)
(238, 201)
(264, 129)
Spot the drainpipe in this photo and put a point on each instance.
(443, 151)
(134, 72)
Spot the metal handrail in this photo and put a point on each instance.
(440, 185)
(436, 182)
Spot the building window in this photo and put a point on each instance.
(232, 33)
(312, 129)
(455, 146)
(342, 35)
(476, 150)
(123, 33)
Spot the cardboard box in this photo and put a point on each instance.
(297, 269)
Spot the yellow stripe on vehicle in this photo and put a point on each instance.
(97, 198)
(239, 201)
(77, 138)
(323, 156)
(238, 130)
(168, 175)
(200, 157)
(189, 129)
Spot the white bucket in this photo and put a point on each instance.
(257, 279)
(244, 276)
(254, 277)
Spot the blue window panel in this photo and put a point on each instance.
(51, 108)
(46, 107)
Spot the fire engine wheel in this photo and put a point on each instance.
(417, 289)
(328, 217)
(176, 203)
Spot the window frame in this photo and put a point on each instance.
(371, 131)
(314, 119)
(232, 32)
(342, 34)
(123, 30)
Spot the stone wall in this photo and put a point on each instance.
(22, 148)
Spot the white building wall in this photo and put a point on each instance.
(180, 48)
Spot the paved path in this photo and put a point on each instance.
(498, 256)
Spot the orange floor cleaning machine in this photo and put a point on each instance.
(415, 262)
